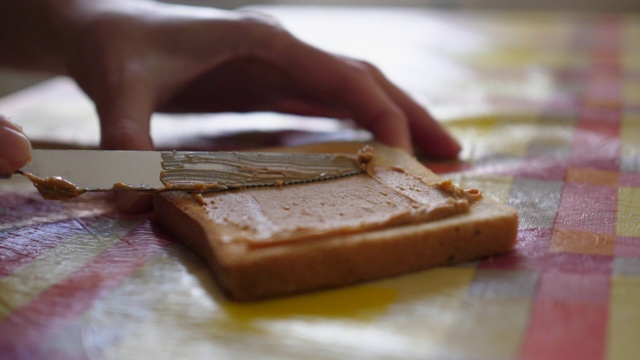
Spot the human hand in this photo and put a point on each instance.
(15, 148)
(140, 57)
(134, 58)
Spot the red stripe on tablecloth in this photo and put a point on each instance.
(603, 122)
(600, 113)
(597, 135)
(627, 247)
(565, 330)
(627, 179)
(607, 41)
(16, 200)
(20, 207)
(590, 264)
(588, 208)
(20, 246)
(600, 116)
(15, 207)
(575, 287)
(597, 145)
(532, 244)
(32, 324)
(537, 168)
(532, 253)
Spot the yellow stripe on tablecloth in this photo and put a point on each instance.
(631, 90)
(582, 242)
(57, 263)
(516, 134)
(521, 58)
(629, 134)
(292, 327)
(624, 318)
(498, 187)
(380, 319)
(492, 328)
(494, 315)
(479, 137)
(628, 223)
(630, 57)
(429, 306)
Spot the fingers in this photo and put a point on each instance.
(372, 100)
(125, 116)
(125, 125)
(354, 88)
(15, 147)
(373, 108)
(405, 124)
(428, 135)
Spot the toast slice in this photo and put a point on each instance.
(252, 261)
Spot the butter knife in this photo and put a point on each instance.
(63, 174)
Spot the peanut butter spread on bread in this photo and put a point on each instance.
(382, 198)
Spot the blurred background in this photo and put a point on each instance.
(11, 81)
(579, 5)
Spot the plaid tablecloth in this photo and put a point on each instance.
(547, 106)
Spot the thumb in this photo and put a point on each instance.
(15, 147)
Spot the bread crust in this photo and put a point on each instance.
(252, 273)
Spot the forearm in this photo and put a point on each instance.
(39, 35)
(31, 35)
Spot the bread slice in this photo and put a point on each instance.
(247, 269)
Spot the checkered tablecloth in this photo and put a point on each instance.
(547, 106)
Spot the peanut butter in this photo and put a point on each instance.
(55, 187)
(384, 198)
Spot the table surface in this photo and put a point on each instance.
(547, 107)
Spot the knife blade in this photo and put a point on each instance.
(63, 174)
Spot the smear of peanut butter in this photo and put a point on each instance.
(365, 158)
(233, 170)
(55, 187)
(384, 198)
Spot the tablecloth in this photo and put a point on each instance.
(547, 107)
